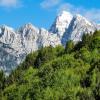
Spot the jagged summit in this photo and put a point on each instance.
(65, 14)
(78, 26)
(6, 28)
(61, 23)
(71, 27)
(80, 17)
(27, 27)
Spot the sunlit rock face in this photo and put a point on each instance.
(61, 23)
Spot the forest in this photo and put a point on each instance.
(57, 73)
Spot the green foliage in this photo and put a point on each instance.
(45, 55)
(2, 80)
(30, 60)
(56, 73)
(84, 54)
(2, 83)
(69, 46)
(95, 43)
(86, 40)
(85, 94)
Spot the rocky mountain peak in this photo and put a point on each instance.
(61, 23)
(7, 34)
(27, 28)
(79, 26)
(80, 18)
(5, 29)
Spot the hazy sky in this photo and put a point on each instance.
(42, 13)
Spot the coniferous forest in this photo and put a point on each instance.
(70, 73)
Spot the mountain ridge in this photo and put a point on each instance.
(28, 38)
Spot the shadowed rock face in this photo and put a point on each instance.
(15, 45)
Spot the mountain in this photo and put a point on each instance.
(61, 23)
(16, 44)
(78, 26)
(72, 27)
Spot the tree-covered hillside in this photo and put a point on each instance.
(70, 73)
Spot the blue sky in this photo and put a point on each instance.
(42, 13)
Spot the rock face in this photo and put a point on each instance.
(16, 44)
(61, 23)
(78, 26)
(72, 27)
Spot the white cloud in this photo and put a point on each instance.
(49, 3)
(92, 14)
(9, 3)
(65, 6)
